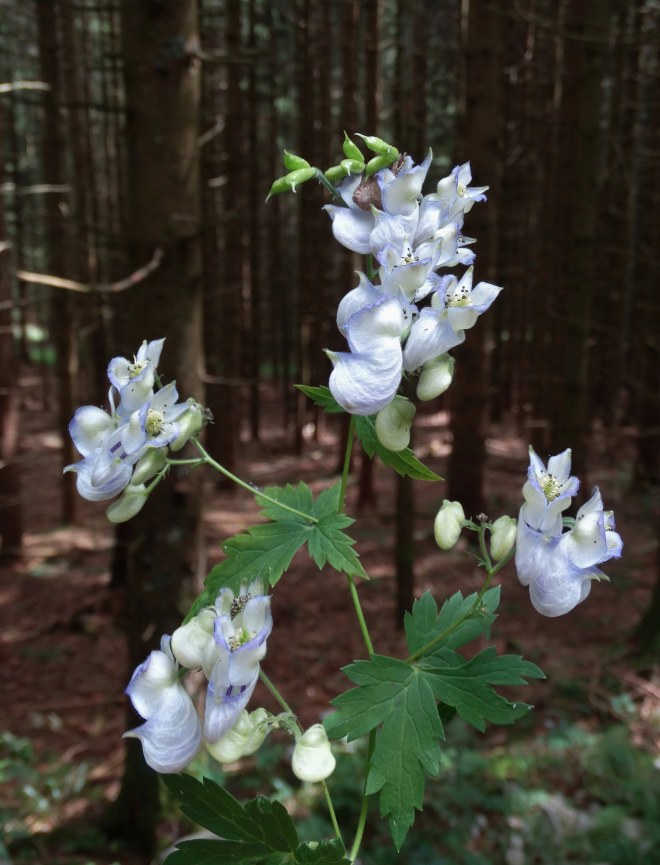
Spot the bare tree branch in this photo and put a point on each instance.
(71, 285)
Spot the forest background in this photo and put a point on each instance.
(139, 140)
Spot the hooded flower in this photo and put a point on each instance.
(548, 492)
(366, 379)
(135, 379)
(227, 641)
(171, 735)
(559, 566)
(240, 643)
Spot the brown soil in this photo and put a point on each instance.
(62, 644)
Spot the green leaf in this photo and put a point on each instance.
(266, 550)
(424, 623)
(467, 685)
(403, 462)
(397, 696)
(322, 397)
(260, 831)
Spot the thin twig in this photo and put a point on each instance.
(85, 288)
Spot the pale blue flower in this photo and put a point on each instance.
(135, 379)
(240, 637)
(367, 378)
(455, 307)
(548, 492)
(559, 567)
(171, 735)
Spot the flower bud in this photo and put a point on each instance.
(191, 642)
(244, 738)
(290, 181)
(448, 523)
(189, 423)
(377, 163)
(129, 503)
(351, 150)
(335, 173)
(382, 148)
(435, 377)
(312, 758)
(293, 162)
(393, 424)
(502, 537)
(352, 166)
(149, 465)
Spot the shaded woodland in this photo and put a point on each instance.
(139, 140)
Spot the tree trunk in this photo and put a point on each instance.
(158, 548)
(479, 138)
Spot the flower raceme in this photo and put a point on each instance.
(410, 236)
(118, 446)
(226, 641)
(559, 566)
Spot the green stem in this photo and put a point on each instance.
(347, 465)
(323, 180)
(340, 509)
(362, 820)
(284, 705)
(275, 692)
(192, 462)
(241, 483)
(331, 811)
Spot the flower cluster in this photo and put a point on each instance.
(412, 316)
(128, 445)
(557, 565)
(227, 642)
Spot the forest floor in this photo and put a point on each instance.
(62, 643)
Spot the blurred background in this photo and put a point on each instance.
(139, 140)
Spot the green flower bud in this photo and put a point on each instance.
(351, 150)
(293, 162)
(382, 148)
(435, 377)
(377, 163)
(448, 524)
(129, 503)
(244, 738)
(290, 181)
(502, 537)
(393, 424)
(352, 166)
(312, 758)
(149, 465)
(335, 173)
(189, 423)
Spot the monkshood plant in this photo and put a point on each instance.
(401, 321)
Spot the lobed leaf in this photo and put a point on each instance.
(456, 619)
(467, 685)
(397, 696)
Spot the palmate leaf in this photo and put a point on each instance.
(397, 696)
(260, 831)
(424, 623)
(266, 550)
(467, 685)
(403, 462)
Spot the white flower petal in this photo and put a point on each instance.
(172, 736)
(351, 227)
(88, 427)
(431, 335)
